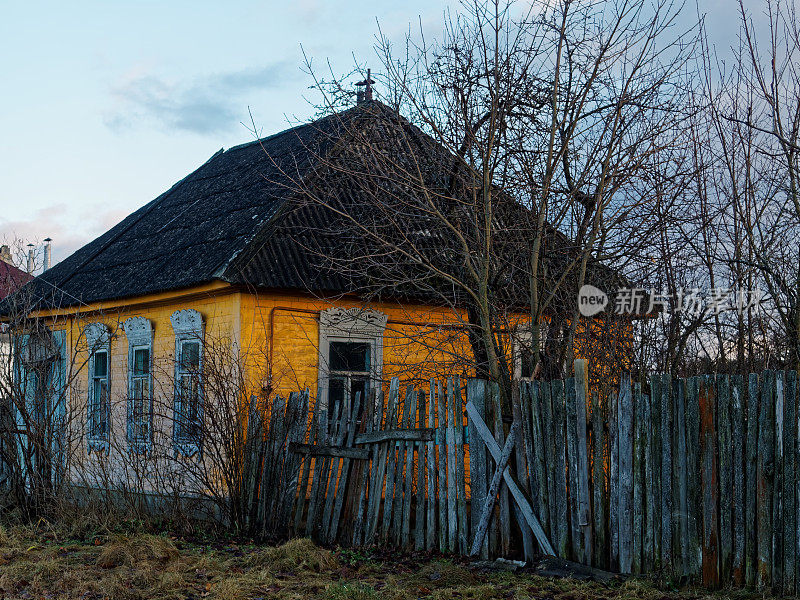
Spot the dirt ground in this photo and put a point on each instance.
(47, 562)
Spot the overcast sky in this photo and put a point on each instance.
(105, 104)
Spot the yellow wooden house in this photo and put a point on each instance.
(217, 269)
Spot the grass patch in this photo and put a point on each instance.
(45, 562)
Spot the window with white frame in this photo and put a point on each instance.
(187, 406)
(522, 344)
(351, 356)
(140, 383)
(188, 399)
(98, 414)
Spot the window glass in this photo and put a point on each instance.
(141, 361)
(190, 356)
(349, 356)
(100, 364)
(526, 356)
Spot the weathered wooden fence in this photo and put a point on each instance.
(691, 478)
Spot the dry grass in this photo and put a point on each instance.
(45, 562)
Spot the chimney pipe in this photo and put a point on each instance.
(30, 259)
(48, 254)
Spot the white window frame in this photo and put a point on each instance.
(188, 327)
(98, 341)
(521, 335)
(140, 336)
(350, 325)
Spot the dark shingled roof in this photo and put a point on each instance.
(225, 221)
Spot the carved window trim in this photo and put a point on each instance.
(98, 339)
(139, 332)
(188, 326)
(350, 325)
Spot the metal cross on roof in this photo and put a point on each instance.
(365, 95)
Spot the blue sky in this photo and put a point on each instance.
(104, 105)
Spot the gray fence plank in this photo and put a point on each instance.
(461, 488)
(764, 481)
(725, 454)
(650, 501)
(751, 469)
(537, 445)
(666, 473)
(584, 502)
(573, 484)
(613, 483)
(600, 552)
(396, 418)
(561, 538)
(680, 481)
(738, 438)
(419, 523)
(504, 512)
(777, 488)
(693, 480)
(639, 481)
(476, 393)
(452, 491)
(494, 487)
(709, 476)
(789, 474)
(430, 537)
(625, 499)
(656, 455)
(408, 484)
(444, 527)
(402, 475)
(526, 476)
